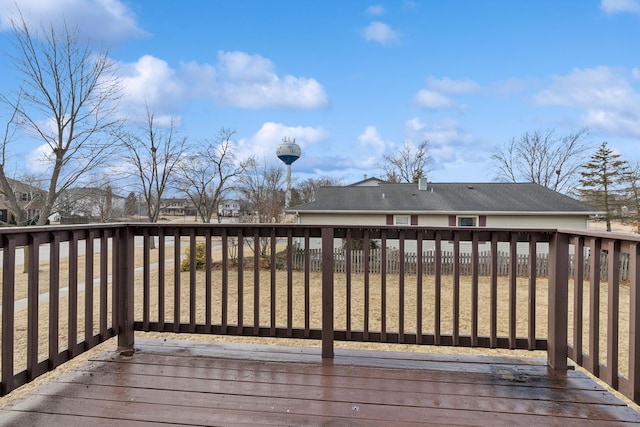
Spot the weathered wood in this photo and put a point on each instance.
(187, 383)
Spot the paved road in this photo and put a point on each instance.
(64, 250)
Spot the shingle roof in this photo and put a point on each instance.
(445, 197)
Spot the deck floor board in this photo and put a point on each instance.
(186, 383)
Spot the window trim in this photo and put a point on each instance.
(476, 220)
(406, 217)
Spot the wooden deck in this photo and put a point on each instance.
(197, 383)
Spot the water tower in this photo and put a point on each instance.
(288, 152)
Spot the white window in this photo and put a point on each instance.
(401, 220)
(467, 221)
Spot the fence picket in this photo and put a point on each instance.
(429, 259)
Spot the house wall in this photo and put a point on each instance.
(439, 220)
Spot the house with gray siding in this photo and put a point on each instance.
(493, 204)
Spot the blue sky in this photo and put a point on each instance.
(354, 80)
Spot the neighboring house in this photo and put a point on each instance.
(509, 205)
(229, 208)
(368, 182)
(177, 207)
(30, 198)
(90, 204)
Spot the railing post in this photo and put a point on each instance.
(633, 386)
(557, 348)
(327, 293)
(124, 304)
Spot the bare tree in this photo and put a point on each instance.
(543, 157)
(67, 99)
(261, 188)
(153, 153)
(409, 164)
(16, 212)
(305, 191)
(207, 175)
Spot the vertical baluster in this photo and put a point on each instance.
(383, 286)
(274, 296)
(256, 282)
(54, 300)
(456, 288)
(366, 252)
(419, 272)
(104, 281)
(578, 297)
(88, 290)
(207, 281)
(176, 281)
(146, 273)
(493, 299)
(224, 289)
(533, 275)
(307, 285)
(289, 283)
(240, 284)
(348, 254)
(72, 322)
(613, 309)
(513, 288)
(193, 264)
(437, 303)
(593, 362)
(32, 306)
(401, 310)
(327, 293)
(474, 289)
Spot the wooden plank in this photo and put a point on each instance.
(204, 383)
(503, 384)
(20, 419)
(311, 400)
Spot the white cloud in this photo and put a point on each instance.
(433, 100)
(151, 82)
(106, 21)
(509, 86)
(237, 79)
(435, 96)
(620, 6)
(249, 81)
(263, 144)
(450, 86)
(380, 32)
(448, 142)
(604, 94)
(376, 10)
(372, 138)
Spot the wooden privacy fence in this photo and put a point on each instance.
(411, 259)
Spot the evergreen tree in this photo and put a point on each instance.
(601, 180)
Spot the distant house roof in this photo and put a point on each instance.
(367, 182)
(495, 198)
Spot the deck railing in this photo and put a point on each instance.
(83, 285)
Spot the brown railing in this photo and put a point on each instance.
(86, 284)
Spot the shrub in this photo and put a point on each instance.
(201, 260)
